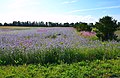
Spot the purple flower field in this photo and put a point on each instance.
(44, 38)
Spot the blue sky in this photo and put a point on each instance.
(58, 10)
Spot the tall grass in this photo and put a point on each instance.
(57, 55)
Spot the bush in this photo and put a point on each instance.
(106, 28)
(83, 27)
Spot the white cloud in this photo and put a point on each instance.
(19, 16)
(69, 2)
(92, 9)
(19, 13)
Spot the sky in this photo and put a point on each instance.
(58, 10)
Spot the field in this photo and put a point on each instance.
(12, 27)
(56, 52)
(118, 34)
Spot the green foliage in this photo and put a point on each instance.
(83, 69)
(106, 28)
(93, 38)
(55, 35)
(83, 27)
(118, 34)
(58, 55)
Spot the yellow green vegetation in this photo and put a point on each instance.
(83, 69)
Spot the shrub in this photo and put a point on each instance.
(83, 27)
(106, 28)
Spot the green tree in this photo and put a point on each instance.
(83, 27)
(119, 25)
(0, 24)
(106, 28)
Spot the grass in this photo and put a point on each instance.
(118, 34)
(83, 69)
(13, 27)
(56, 55)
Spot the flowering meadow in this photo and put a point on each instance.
(56, 52)
(52, 45)
(40, 38)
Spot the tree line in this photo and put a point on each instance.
(38, 24)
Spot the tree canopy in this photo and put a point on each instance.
(106, 28)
